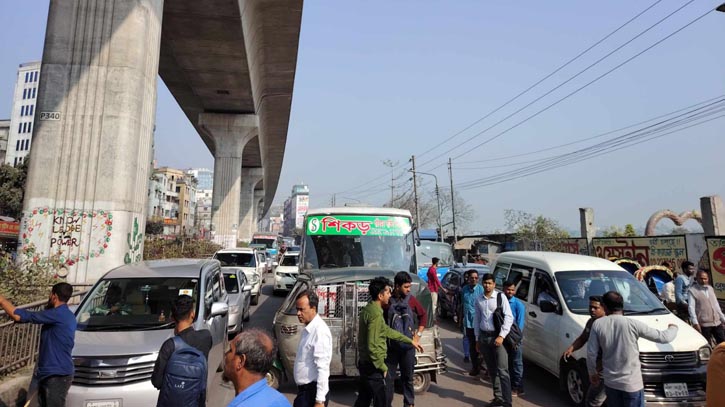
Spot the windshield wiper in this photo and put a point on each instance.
(122, 327)
(647, 312)
(162, 326)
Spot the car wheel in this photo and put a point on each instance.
(274, 378)
(421, 382)
(255, 300)
(576, 383)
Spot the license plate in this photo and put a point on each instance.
(676, 390)
(104, 403)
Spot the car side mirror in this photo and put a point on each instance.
(547, 306)
(247, 288)
(219, 308)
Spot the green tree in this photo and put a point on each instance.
(534, 232)
(616, 231)
(12, 189)
(154, 228)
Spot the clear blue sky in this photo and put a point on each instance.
(383, 80)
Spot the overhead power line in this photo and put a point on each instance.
(627, 140)
(535, 84)
(582, 53)
(721, 97)
(596, 155)
(490, 139)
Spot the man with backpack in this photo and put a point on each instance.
(401, 313)
(180, 371)
(492, 324)
(372, 346)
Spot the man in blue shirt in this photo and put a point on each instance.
(54, 371)
(682, 288)
(516, 362)
(246, 363)
(466, 314)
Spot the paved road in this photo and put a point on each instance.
(455, 388)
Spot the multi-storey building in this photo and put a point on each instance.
(172, 200)
(295, 208)
(4, 133)
(203, 213)
(20, 135)
(204, 177)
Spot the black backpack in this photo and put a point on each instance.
(512, 341)
(184, 381)
(400, 318)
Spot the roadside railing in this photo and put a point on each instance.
(19, 342)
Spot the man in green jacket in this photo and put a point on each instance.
(373, 334)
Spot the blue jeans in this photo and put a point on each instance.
(466, 346)
(621, 398)
(516, 368)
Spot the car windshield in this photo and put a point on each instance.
(577, 286)
(427, 250)
(133, 303)
(290, 260)
(382, 242)
(236, 259)
(231, 283)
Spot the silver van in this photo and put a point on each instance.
(124, 320)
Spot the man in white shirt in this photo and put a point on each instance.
(705, 313)
(616, 336)
(314, 353)
(489, 339)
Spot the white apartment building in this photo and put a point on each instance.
(23, 113)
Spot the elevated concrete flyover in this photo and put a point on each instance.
(230, 64)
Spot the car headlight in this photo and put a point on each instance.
(704, 353)
(234, 309)
(254, 278)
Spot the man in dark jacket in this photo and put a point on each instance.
(184, 314)
(400, 354)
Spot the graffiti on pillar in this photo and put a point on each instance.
(74, 235)
(134, 240)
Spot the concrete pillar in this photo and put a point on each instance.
(230, 133)
(247, 215)
(85, 198)
(713, 215)
(258, 205)
(586, 221)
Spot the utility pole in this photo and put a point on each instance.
(438, 200)
(415, 193)
(391, 164)
(453, 200)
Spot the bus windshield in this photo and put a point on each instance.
(369, 241)
(269, 243)
(428, 250)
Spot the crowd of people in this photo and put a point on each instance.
(389, 332)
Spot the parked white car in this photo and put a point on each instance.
(555, 287)
(247, 260)
(285, 274)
